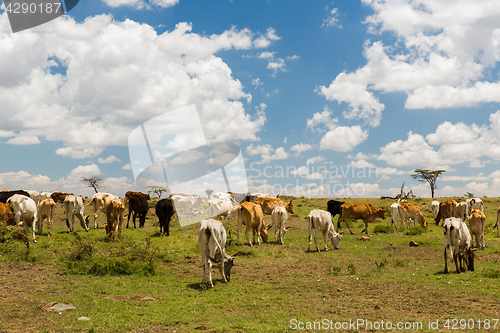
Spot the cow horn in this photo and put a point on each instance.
(236, 254)
(269, 226)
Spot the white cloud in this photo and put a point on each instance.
(266, 40)
(109, 159)
(315, 160)
(343, 138)
(24, 140)
(127, 167)
(322, 119)
(118, 75)
(85, 171)
(333, 19)
(441, 57)
(301, 148)
(267, 153)
(79, 153)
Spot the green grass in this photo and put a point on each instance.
(380, 279)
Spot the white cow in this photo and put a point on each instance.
(435, 208)
(254, 196)
(212, 240)
(25, 210)
(322, 220)
(477, 223)
(457, 235)
(223, 196)
(220, 207)
(45, 210)
(189, 202)
(73, 206)
(462, 211)
(100, 201)
(395, 218)
(279, 217)
(38, 196)
(474, 203)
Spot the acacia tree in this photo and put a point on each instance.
(158, 190)
(94, 182)
(428, 176)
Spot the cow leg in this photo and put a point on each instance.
(33, 223)
(247, 231)
(455, 259)
(445, 261)
(348, 227)
(209, 274)
(316, 227)
(221, 269)
(39, 223)
(366, 227)
(325, 240)
(129, 211)
(282, 234)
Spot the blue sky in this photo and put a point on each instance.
(311, 91)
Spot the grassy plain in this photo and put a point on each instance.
(273, 289)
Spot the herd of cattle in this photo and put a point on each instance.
(30, 208)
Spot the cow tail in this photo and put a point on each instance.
(210, 233)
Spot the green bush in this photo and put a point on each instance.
(383, 229)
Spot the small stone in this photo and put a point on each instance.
(364, 238)
(413, 243)
(59, 307)
(84, 318)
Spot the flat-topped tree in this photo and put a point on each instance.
(428, 176)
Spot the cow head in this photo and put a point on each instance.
(421, 220)
(469, 259)
(263, 232)
(380, 213)
(289, 206)
(87, 222)
(228, 265)
(335, 238)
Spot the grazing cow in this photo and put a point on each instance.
(446, 209)
(395, 218)
(497, 225)
(25, 210)
(131, 193)
(462, 211)
(212, 240)
(365, 212)
(477, 224)
(322, 220)
(251, 215)
(59, 197)
(165, 210)
(115, 208)
(7, 214)
(474, 203)
(7, 194)
(268, 205)
(408, 211)
(218, 207)
(189, 201)
(73, 206)
(137, 206)
(457, 235)
(45, 210)
(434, 208)
(279, 217)
(255, 196)
(100, 201)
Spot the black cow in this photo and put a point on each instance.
(164, 210)
(137, 206)
(6, 195)
(333, 206)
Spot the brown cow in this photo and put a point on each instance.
(59, 197)
(497, 225)
(446, 209)
(115, 209)
(365, 212)
(268, 205)
(7, 214)
(131, 193)
(251, 215)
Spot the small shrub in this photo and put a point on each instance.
(400, 263)
(492, 273)
(351, 269)
(335, 270)
(381, 264)
(383, 229)
(414, 232)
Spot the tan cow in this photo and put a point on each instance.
(59, 197)
(115, 209)
(446, 209)
(45, 210)
(7, 214)
(365, 212)
(462, 212)
(408, 211)
(251, 215)
(477, 223)
(100, 201)
(268, 205)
